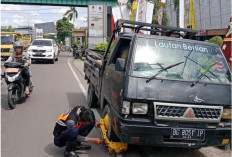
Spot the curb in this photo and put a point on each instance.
(77, 67)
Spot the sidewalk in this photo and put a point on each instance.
(79, 64)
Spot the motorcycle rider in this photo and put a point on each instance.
(17, 56)
(74, 47)
(71, 129)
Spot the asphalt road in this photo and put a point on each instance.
(26, 131)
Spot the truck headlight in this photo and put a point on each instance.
(226, 114)
(29, 50)
(140, 108)
(126, 107)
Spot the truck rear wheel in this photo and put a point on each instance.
(91, 98)
(110, 132)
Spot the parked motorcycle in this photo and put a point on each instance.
(75, 52)
(15, 83)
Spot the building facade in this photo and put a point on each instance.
(209, 14)
(48, 27)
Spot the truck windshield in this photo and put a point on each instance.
(6, 39)
(192, 62)
(42, 43)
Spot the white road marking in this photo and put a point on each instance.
(78, 80)
(82, 88)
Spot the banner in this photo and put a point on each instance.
(160, 15)
(141, 11)
(144, 13)
(120, 12)
(96, 21)
(149, 12)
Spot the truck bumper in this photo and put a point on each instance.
(160, 136)
(44, 57)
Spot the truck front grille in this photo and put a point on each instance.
(208, 113)
(172, 111)
(185, 112)
(38, 50)
(39, 55)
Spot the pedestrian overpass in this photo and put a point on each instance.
(79, 3)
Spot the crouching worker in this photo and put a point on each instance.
(71, 129)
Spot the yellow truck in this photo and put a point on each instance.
(8, 39)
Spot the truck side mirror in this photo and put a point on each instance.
(120, 64)
(29, 44)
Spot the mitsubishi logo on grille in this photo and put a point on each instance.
(189, 113)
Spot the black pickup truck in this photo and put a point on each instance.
(159, 90)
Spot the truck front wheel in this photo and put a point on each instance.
(110, 132)
(91, 98)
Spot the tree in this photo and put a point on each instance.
(7, 29)
(64, 29)
(165, 20)
(216, 40)
(72, 14)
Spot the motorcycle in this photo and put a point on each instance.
(15, 83)
(75, 52)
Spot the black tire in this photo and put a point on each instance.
(110, 133)
(11, 101)
(91, 97)
(56, 59)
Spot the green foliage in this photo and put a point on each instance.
(176, 4)
(216, 40)
(165, 20)
(72, 14)
(9, 29)
(64, 29)
(101, 46)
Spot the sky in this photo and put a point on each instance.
(19, 15)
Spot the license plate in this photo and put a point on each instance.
(39, 54)
(188, 134)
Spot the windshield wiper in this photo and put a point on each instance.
(164, 69)
(204, 68)
(203, 74)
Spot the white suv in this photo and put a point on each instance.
(43, 49)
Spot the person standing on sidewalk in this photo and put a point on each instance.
(71, 129)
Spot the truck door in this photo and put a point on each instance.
(113, 82)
